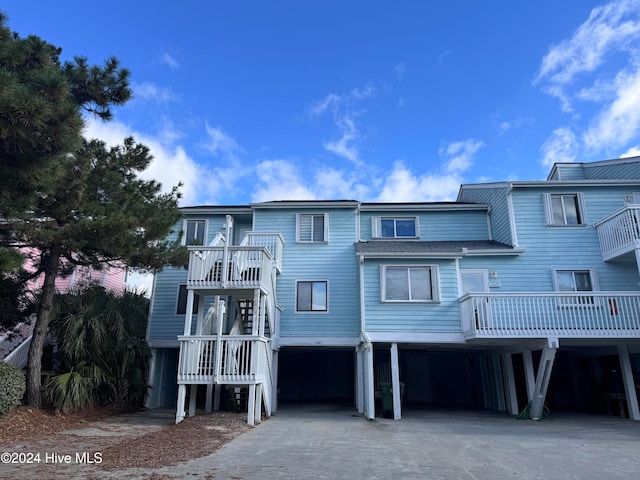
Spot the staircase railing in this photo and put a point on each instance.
(234, 359)
(9, 341)
(18, 357)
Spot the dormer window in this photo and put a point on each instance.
(395, 227)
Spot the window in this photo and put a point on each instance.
(392, 227)
(181, 308)
(408, 284)
(195, 232)
(565, 209)
(311, 296)
(575, 281)
(312, 228)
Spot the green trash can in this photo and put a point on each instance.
(387, 398)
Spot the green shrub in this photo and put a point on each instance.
(12, 387)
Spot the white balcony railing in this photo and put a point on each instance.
(539, 315)
(273, 242)
(619, 233)
(240, 359)
(240, 267)
(246, 266)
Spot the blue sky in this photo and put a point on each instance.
(373, 101)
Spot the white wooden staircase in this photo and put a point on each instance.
(242, 281)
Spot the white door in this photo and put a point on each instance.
(477, 281)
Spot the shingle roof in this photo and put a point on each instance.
(451, 246)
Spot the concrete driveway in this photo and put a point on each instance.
(323, 442)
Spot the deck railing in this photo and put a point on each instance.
(239, 359)
(535, 315)
(234, 267)
(619, 233)
(273, 242)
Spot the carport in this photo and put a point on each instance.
(308, 374)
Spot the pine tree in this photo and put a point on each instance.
(66, 200)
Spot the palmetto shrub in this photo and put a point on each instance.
(104, 356)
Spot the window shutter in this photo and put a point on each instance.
(420, 280)
(318, 228)
(396, 284)
(304, 228)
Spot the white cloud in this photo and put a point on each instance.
(402, 185)
(344, 146)
(170, 164)
(561, 146)
(339, 184)
(460, 154)
(280, 180)
(150, 91)
(610, 28)
(504, 126)
(219, 142)
(619, 121)
(632, 152)
(169, 60)
(342, 109)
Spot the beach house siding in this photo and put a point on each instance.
(440, 316)
(434, 222)
(497, 196)
(332, 261)
(551, 248)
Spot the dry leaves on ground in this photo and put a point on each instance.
(151, 448)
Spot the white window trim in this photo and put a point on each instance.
(184, 229)
(376, 226)
(314, 312)
(548, 209)
(595, 287)
(326, 227)
(435, 284)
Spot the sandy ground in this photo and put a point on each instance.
(36, 444)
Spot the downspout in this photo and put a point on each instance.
(369, 405)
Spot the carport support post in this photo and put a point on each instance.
(216, 396)
(370, 405)
(395, 382)
(629, 384)
(209, 399)
(192, 399)
(484, 374)
(182, 393)
(510, 384)
(542, 379)
(497, 383)
(529, 374)
(359, 380)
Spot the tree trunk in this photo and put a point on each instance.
(40, 331)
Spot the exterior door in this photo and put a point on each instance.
(476, 281)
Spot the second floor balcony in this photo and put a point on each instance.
(619, 233)
(250, 265)
(552, 314)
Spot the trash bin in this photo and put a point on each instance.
(387, 398)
